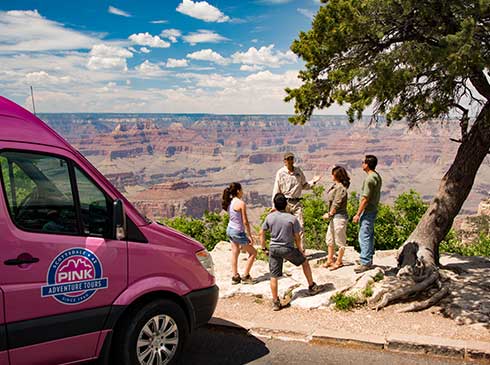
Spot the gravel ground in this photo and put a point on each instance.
(258, 311)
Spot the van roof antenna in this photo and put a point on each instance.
(32, 98)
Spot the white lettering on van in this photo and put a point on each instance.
(74, 275)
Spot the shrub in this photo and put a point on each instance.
(315, 227)
(208, 230)
(343, 302)
(479, 248)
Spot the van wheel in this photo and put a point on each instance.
(153, 335)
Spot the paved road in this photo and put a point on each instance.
(217, 345)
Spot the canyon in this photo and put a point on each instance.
(175, 164)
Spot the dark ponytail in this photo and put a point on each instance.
(229, 193)
(341, 175)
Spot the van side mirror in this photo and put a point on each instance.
(118, 220)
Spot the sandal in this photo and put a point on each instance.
(336, 266)
(327, 264)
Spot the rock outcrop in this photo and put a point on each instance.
(469, 227)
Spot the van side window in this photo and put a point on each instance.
(95, 206)
(38, 192)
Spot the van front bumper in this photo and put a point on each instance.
(201, 305)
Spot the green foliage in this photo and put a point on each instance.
(261, 255)
(315, 227)
(479, 248)
(378, 277)
(208, 230)
(262, 219)
(23, 184)
(408, 59)
(344, 302)
(368, 291)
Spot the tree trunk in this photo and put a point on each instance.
(423, 244)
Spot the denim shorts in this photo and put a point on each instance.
(278, 254)
(237, 236)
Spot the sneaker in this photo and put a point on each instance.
(314, 289)
(236, 279)
(248, 280)
(362, 268)
(276, 305)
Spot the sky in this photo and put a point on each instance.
(165, 56)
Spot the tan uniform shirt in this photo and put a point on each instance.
(291, 184)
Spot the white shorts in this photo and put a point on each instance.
(337, 231)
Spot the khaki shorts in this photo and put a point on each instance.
(337, 231)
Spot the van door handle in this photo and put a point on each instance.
(20, 261)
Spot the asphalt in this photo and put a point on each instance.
(476, 351)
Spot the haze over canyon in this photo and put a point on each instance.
(174, 164)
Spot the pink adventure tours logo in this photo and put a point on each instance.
(74, 276)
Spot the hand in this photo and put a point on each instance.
(251, 241)
(302, 250)
(326, 216)
(355, 219)
(316, 179)
(265, 250)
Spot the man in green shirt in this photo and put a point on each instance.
(366, 214)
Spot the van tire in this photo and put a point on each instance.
(125, 342)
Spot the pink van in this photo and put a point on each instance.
(82, 274)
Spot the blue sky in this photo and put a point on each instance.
(152, 56)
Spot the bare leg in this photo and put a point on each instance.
(235, 251)
(339, 256)
(252, 254)
(274, 289)
(339, 262)
(330, 260)
(307, 271)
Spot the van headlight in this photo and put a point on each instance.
(206, 261)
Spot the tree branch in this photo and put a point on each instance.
(464, 121)
(480, 82)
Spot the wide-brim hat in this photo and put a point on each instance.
(288, 155)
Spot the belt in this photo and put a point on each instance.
(293, 200)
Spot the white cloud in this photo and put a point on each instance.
(117, 11)
(251, 68)
(264, 56)
(208, 55)
(255, 41)
(307, 12)
(109, 88)
(206, 93)
(108, 57)
(43, 78)
(172, 63)
(29, 31)
(159, 21)
(171, 34)
(203, 36)
(150, 69)
(146, 39)
(144, 50)
(202, 10)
